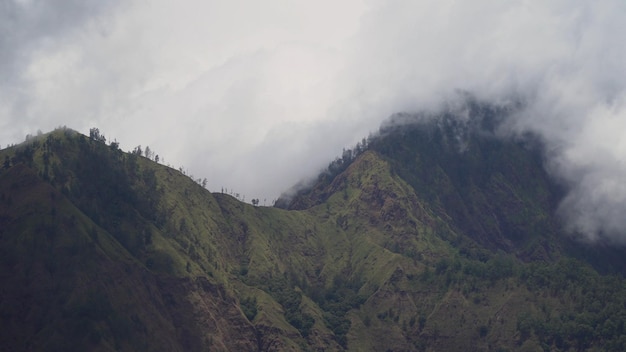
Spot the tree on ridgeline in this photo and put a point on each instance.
(94, 134)
(137, 151)
(148, 153)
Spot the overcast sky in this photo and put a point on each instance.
(256, 95)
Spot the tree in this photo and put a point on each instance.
(249, 307)
(94, 134)
(115, 145)
(255, 202)
(148, 152)
(137, 151)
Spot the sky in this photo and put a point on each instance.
(258, 95)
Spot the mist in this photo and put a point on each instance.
(258, 96)
(561, 61)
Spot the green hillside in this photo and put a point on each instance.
(415, 241)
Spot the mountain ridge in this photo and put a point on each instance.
(366, 260)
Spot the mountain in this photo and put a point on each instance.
(435, 235)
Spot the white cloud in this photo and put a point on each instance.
(279, 87)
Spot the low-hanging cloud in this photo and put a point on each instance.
(563, 60)
(258, 95)
(43, 32)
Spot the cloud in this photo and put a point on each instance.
(257, 95)
(562, 59)
(211, 86)
(38, 42)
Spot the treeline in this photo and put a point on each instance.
(25, 153)
(147, 152)
(340, 164)
(326, 176)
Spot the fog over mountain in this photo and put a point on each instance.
(255, 96)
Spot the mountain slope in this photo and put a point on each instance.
(412, 244)
(74, 283)
(491, 190)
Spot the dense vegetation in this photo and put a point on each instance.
(434, 235)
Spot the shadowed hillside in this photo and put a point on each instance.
(432, 236)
